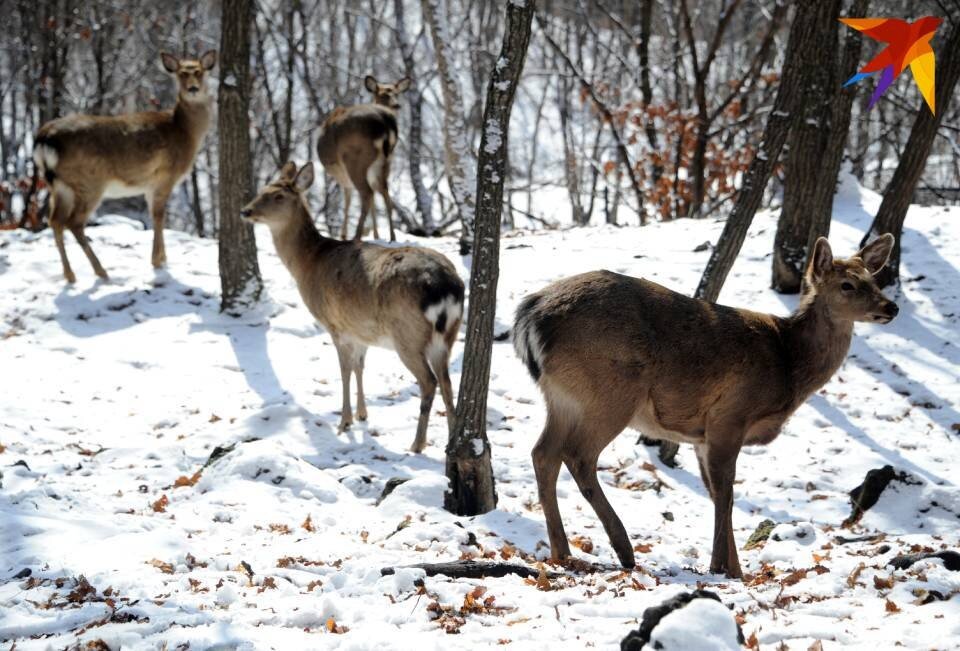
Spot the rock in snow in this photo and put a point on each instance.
(690, 620)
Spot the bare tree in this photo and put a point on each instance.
(804, 37)
(899, 193)
(459, 166)
(469, 469)
(239, 270)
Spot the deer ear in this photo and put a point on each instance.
(822, 260)
(209, 59)
(403, 85)
(876, 254)
(370, 83)
(304, 178)
(170, 62)
(288, 171)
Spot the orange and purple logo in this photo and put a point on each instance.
(908, 44)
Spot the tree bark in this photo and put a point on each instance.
(239, 271)
(899, 193)
(415, 139)
(809, 139)
(803, 37)
(469, 470)
(456, 148)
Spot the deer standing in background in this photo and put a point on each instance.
(610, 351)
(408, 299)
(355, 147)
(87, 158)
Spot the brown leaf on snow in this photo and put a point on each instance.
(582, 543)
(308, 525)
(891, 607)
(543, 583)
(160, 506)
(507, 552)
(214, 418)
(333, 627)
(816, 646)
(852, 579)
(280, 528)
(882, 584)
(753, 642)
(269, 583)
(82, 592)
(166, 568)
(643, 548)
(183, 481)
(245, 569)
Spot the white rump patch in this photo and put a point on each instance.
(45, 157)
(375, 171)
(526, 341)
(450, 305)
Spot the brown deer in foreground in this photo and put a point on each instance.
(86, 158)
(610, 351)
(355, 147)
(409, 299)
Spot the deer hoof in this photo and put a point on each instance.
(344, 425)
(70, 277)
(362, 415)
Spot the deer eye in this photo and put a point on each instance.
(847, 287)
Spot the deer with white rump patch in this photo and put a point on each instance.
(87, 158)
(409, 299)
(356, 146)
(610, 351)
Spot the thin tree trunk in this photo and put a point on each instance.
(899, 193)
(646, 90)
(469, 470)
(415, 139)
(239, 271)
(459, 167)
(569, 156)
(809, 138)
(803, 37)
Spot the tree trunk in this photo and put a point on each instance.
(239, 271)
(809, 138)
(471, 490)
(459, 167)
(646, 90)
(899, 193)
(415, 139)
(803, 38)
(821, 203)
(569, 156)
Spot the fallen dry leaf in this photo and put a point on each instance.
(184, 481)
(166, 568)
(852, 579)
(891, 607)
(160, 506)
(882, 584)
(308, 525)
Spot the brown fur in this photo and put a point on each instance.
(356, 145)
(406, 298)
(611, 351)
(86, 158)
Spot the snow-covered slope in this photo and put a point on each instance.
(110, 392)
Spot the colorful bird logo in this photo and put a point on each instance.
(908, 44)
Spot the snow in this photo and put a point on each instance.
(115, 390)
(702, 624)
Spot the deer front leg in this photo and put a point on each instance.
(721, 466)
(347, 194)
(157, 203)
(359, 358)
(345, 353)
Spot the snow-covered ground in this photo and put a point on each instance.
(111, 392)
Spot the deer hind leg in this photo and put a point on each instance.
(157, 202)
(84, 242)
(721, 466)
(583, 467)
(546, 466)
(358, 360)
(347, 195)
(416, 361)
(357, 170)
(60, 208)
(346, 355)
(385, 193)
(438, 355)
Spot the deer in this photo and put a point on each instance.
(610, 351)
(408, 299)
(355, 146)
(86, 158)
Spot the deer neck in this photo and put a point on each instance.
(817, 343)
(193, 117)
(299, 245)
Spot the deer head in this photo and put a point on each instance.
(283, 199)
(848, 286)
(190, 74)
(386, 94)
